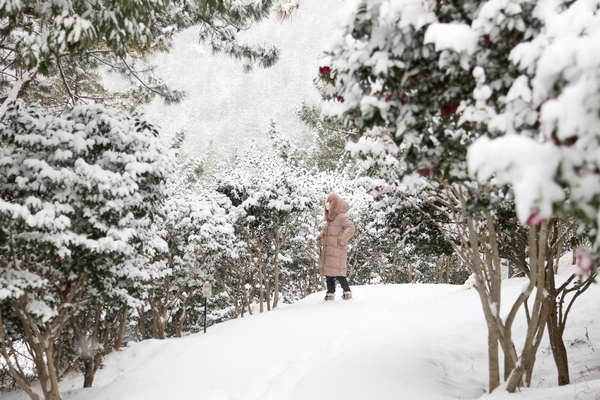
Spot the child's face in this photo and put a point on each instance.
(327, 205)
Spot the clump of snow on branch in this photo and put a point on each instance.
(525, 164)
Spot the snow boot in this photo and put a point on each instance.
(347, 295)
(329, 296)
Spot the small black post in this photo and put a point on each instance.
(206, 292)
(205, 315)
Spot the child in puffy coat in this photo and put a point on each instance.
(334, 236)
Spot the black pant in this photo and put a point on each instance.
(330, 280)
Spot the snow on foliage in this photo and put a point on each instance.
(529, 166)
(562, 94)
(482, 102)
(71, 188)
(433, 77)
(181, 248)
(70, 31)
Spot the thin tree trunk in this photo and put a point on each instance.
(262, 289)
(276, 284)
(487, 301)
(183, 316)
(248, 301)
(88, 374)
(559, 351)
(279, 239)
(539, 312)
(244, 295)
(122, 329)
(160, 326)
(142, 324)
(268, 294)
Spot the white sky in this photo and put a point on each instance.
(390, 342)
(226, 105)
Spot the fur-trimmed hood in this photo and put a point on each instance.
(337, 205)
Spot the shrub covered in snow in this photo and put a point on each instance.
(71, 191)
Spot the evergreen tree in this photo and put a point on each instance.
(53, 52)
(80, 180)
(72, 188)
(183, 246)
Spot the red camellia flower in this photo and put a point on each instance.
(427, 171)
(567, 142)
(535, 219)
(388, 97)
(340, 99)
(486, 39)
(59, 258)
(324, 70)
(64, 286)
(448, 109)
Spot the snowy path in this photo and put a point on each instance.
(383, 344)
(409, 342)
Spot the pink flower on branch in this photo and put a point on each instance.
(585, 263)
(535, 218)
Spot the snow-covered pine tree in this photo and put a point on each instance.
(328, 151)
(52, 55)
(228, 17)
(269, 202)
(54, 52)
(71, 190)
(54, 49)
(192, 233)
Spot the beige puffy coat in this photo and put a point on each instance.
(334, 237)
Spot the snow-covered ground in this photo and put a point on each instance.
(389, 342)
